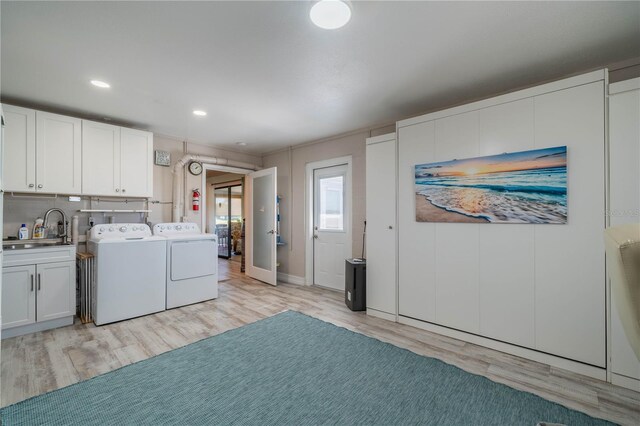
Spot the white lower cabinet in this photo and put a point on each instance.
(35, 294)
(18, 296)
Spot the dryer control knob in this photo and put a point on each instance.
(123, 229)
(111, 229)
(178, 227)
(101, 229)
(135, 228)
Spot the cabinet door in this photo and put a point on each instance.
(58, 153)
(381, 226)
(18, 296)
(136, 163)
(56, 290)
(19, 174)
(100, 159)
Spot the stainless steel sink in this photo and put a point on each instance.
(31, 244)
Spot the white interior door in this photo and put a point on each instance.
(260, 231)
(331, 240)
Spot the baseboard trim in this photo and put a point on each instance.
(379, 314)
(625, 382)
(35, 327)
(552, 360)
(291, 279)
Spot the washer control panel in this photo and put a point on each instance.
(121, 230)
(176, 228)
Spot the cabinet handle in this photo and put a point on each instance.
(123, 190)
(31, 282)
(39, 185)
(39, 282)
(390, 227)
(117, 189)
(31, 185)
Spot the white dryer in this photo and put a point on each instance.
(192, 263)
(130, 271)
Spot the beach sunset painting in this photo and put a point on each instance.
(517, 187)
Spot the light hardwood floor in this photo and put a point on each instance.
(42, 362)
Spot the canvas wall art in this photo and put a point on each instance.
(517, 187)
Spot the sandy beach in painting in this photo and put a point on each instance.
(427, 212)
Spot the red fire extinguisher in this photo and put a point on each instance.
(196, 200)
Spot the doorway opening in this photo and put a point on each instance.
(258, 212)
(328, 221)
(223, 215)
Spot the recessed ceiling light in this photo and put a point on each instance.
(330, 14)
(101, 84)
(241, 143)
(199, 113)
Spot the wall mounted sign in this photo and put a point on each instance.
(517, 187)
(163, 158)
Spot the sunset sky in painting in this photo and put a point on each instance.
(526, 160)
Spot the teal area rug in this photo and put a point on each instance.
(289, 369)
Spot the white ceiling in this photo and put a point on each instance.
(268, 77)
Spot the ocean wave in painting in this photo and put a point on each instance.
(525, 196)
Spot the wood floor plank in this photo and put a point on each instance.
(40, 362)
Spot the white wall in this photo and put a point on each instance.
(291, 168)
(537, 286)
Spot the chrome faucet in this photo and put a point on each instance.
(45, 223)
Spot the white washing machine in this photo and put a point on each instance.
(131, 265)
(192, 263)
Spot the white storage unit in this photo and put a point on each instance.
(381, 226)
(44, 150)
(534, 290)
(55, 154)
(38, 289)
(116, 161)
(624, 179)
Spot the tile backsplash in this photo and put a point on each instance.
(21, 208)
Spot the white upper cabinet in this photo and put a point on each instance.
(19, 171)
(100, 159)
(136, 166)
(42, 152)
(116, 161)
(58, 154)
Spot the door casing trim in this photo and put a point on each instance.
(308, 216)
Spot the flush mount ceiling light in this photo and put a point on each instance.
(101, 84)
(241, 143)
(330, 14)
(199, 113)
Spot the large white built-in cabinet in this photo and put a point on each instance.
(56, 154)
(381, 226)
(537, 291)
(624, 178)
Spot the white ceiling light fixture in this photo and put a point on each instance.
(101, 84)
(330, 14)
(241, 143)
(199, 112)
